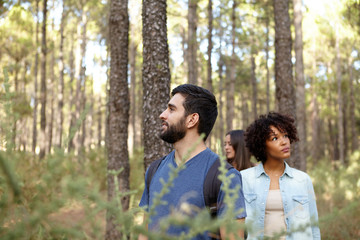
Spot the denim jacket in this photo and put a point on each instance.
(298, 199)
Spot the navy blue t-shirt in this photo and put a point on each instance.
(187, 190)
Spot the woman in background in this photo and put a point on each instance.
(235, 150)
(280, 200)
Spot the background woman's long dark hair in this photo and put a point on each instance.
(241, 160)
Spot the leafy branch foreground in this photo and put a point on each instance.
(62, 197)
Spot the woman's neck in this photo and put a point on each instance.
(274, 167)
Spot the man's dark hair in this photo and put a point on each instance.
(199, 100)
(259, 131)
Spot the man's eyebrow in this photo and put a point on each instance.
(170, 105)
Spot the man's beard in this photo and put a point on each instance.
(174, 133)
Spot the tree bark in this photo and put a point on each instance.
(231, 86)
(210, 46)
(82, 90)
(267, 64)
(118, 120)
(43, 85)
(100, 123)
(339, 102)
(61, 86)
(253, 84)
(71, 145)
(51, 90)
(192, 43)
(300, 161)
(155, 77)
(315, 133)
(285, 93)
(354, 141)
(35, 110)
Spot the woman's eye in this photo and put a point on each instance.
(274, 139)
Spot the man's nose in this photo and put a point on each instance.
(162, 115)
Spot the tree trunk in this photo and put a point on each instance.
(61, 86)
(254, 85)
(192, 42)
(43, 86)
(300, 161)
(51, 89)
(81, 87)
(100, 123)
(118, 156)
(354, 141)
(35, 110)
(71, 145)
(221, 80)
(231, 86)
(267, 64)
(285, 93)
(155, 77)
(315, 136)
(245, 112)
(210, 46)
(339, 102)
(221, 103)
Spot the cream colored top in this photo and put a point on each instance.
(274, 214)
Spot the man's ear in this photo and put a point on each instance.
(192, 120)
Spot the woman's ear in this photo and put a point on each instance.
(192, 120)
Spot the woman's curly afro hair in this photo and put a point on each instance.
(259, 131)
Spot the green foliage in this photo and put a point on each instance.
(338, 198)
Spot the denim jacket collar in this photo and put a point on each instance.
(260, 170)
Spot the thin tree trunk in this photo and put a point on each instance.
(35, 111)
(61, 86)
(354, 141)
(231, 87)
(314, 125)
(254, 85)
(43, 85)
(15, 120)
(339, 102)
(99, 122)
(71, 145)
(221, 90)
(118, 156)
(300, 161)
(155, 77)
(267, 64)
(210, 46)
(221, 80)
(82, 89)
(192, 42)
(51, 91)
(245, 112)
(345, 125)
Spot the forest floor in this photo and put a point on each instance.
(75, 216)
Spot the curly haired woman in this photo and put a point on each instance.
(280, 200)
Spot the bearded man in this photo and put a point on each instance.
(191, 114)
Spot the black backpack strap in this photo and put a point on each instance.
(152, 169)
(212, 186)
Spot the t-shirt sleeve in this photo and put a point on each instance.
(144, 202)
(239, 205)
